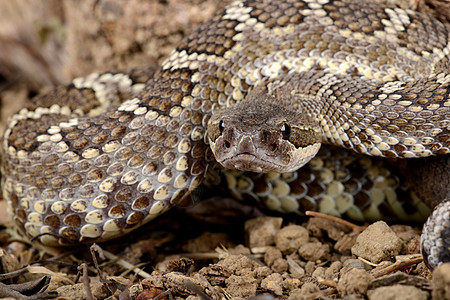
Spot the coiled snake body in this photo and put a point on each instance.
(80, 167)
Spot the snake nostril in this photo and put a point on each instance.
(265, 136)
(273, 147)
(227, 144)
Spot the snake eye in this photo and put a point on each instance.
(286, 131)
(221, 126)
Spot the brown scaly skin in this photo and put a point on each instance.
(378, 75)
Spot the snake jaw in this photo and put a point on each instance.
(252, 163)
(247, 162)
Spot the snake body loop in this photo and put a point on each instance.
(79, 165)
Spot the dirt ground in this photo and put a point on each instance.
(217, 249)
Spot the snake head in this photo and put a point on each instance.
(260, 135)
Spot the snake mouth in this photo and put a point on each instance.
(250, 162)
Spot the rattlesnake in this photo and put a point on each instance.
(78, 166)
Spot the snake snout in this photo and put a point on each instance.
(271, 141)
(233, 142)
(246, 145)
(253, 149)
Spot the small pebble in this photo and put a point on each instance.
(260, 232)
(441, 282)
(377, 243)
(318, 272)
(280, 265)
(294, 268)
(273, 283)
(262, 272)
(353, 281)
(398, 292)
(354, 263)
(309, 267)
(290, 238)
(271, 255)
(295, 294)
(241, 286)
(314, 251)
(290, 284)
(333, 271)
(309, 288)
(319, 227)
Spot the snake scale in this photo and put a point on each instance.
(264, 83)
